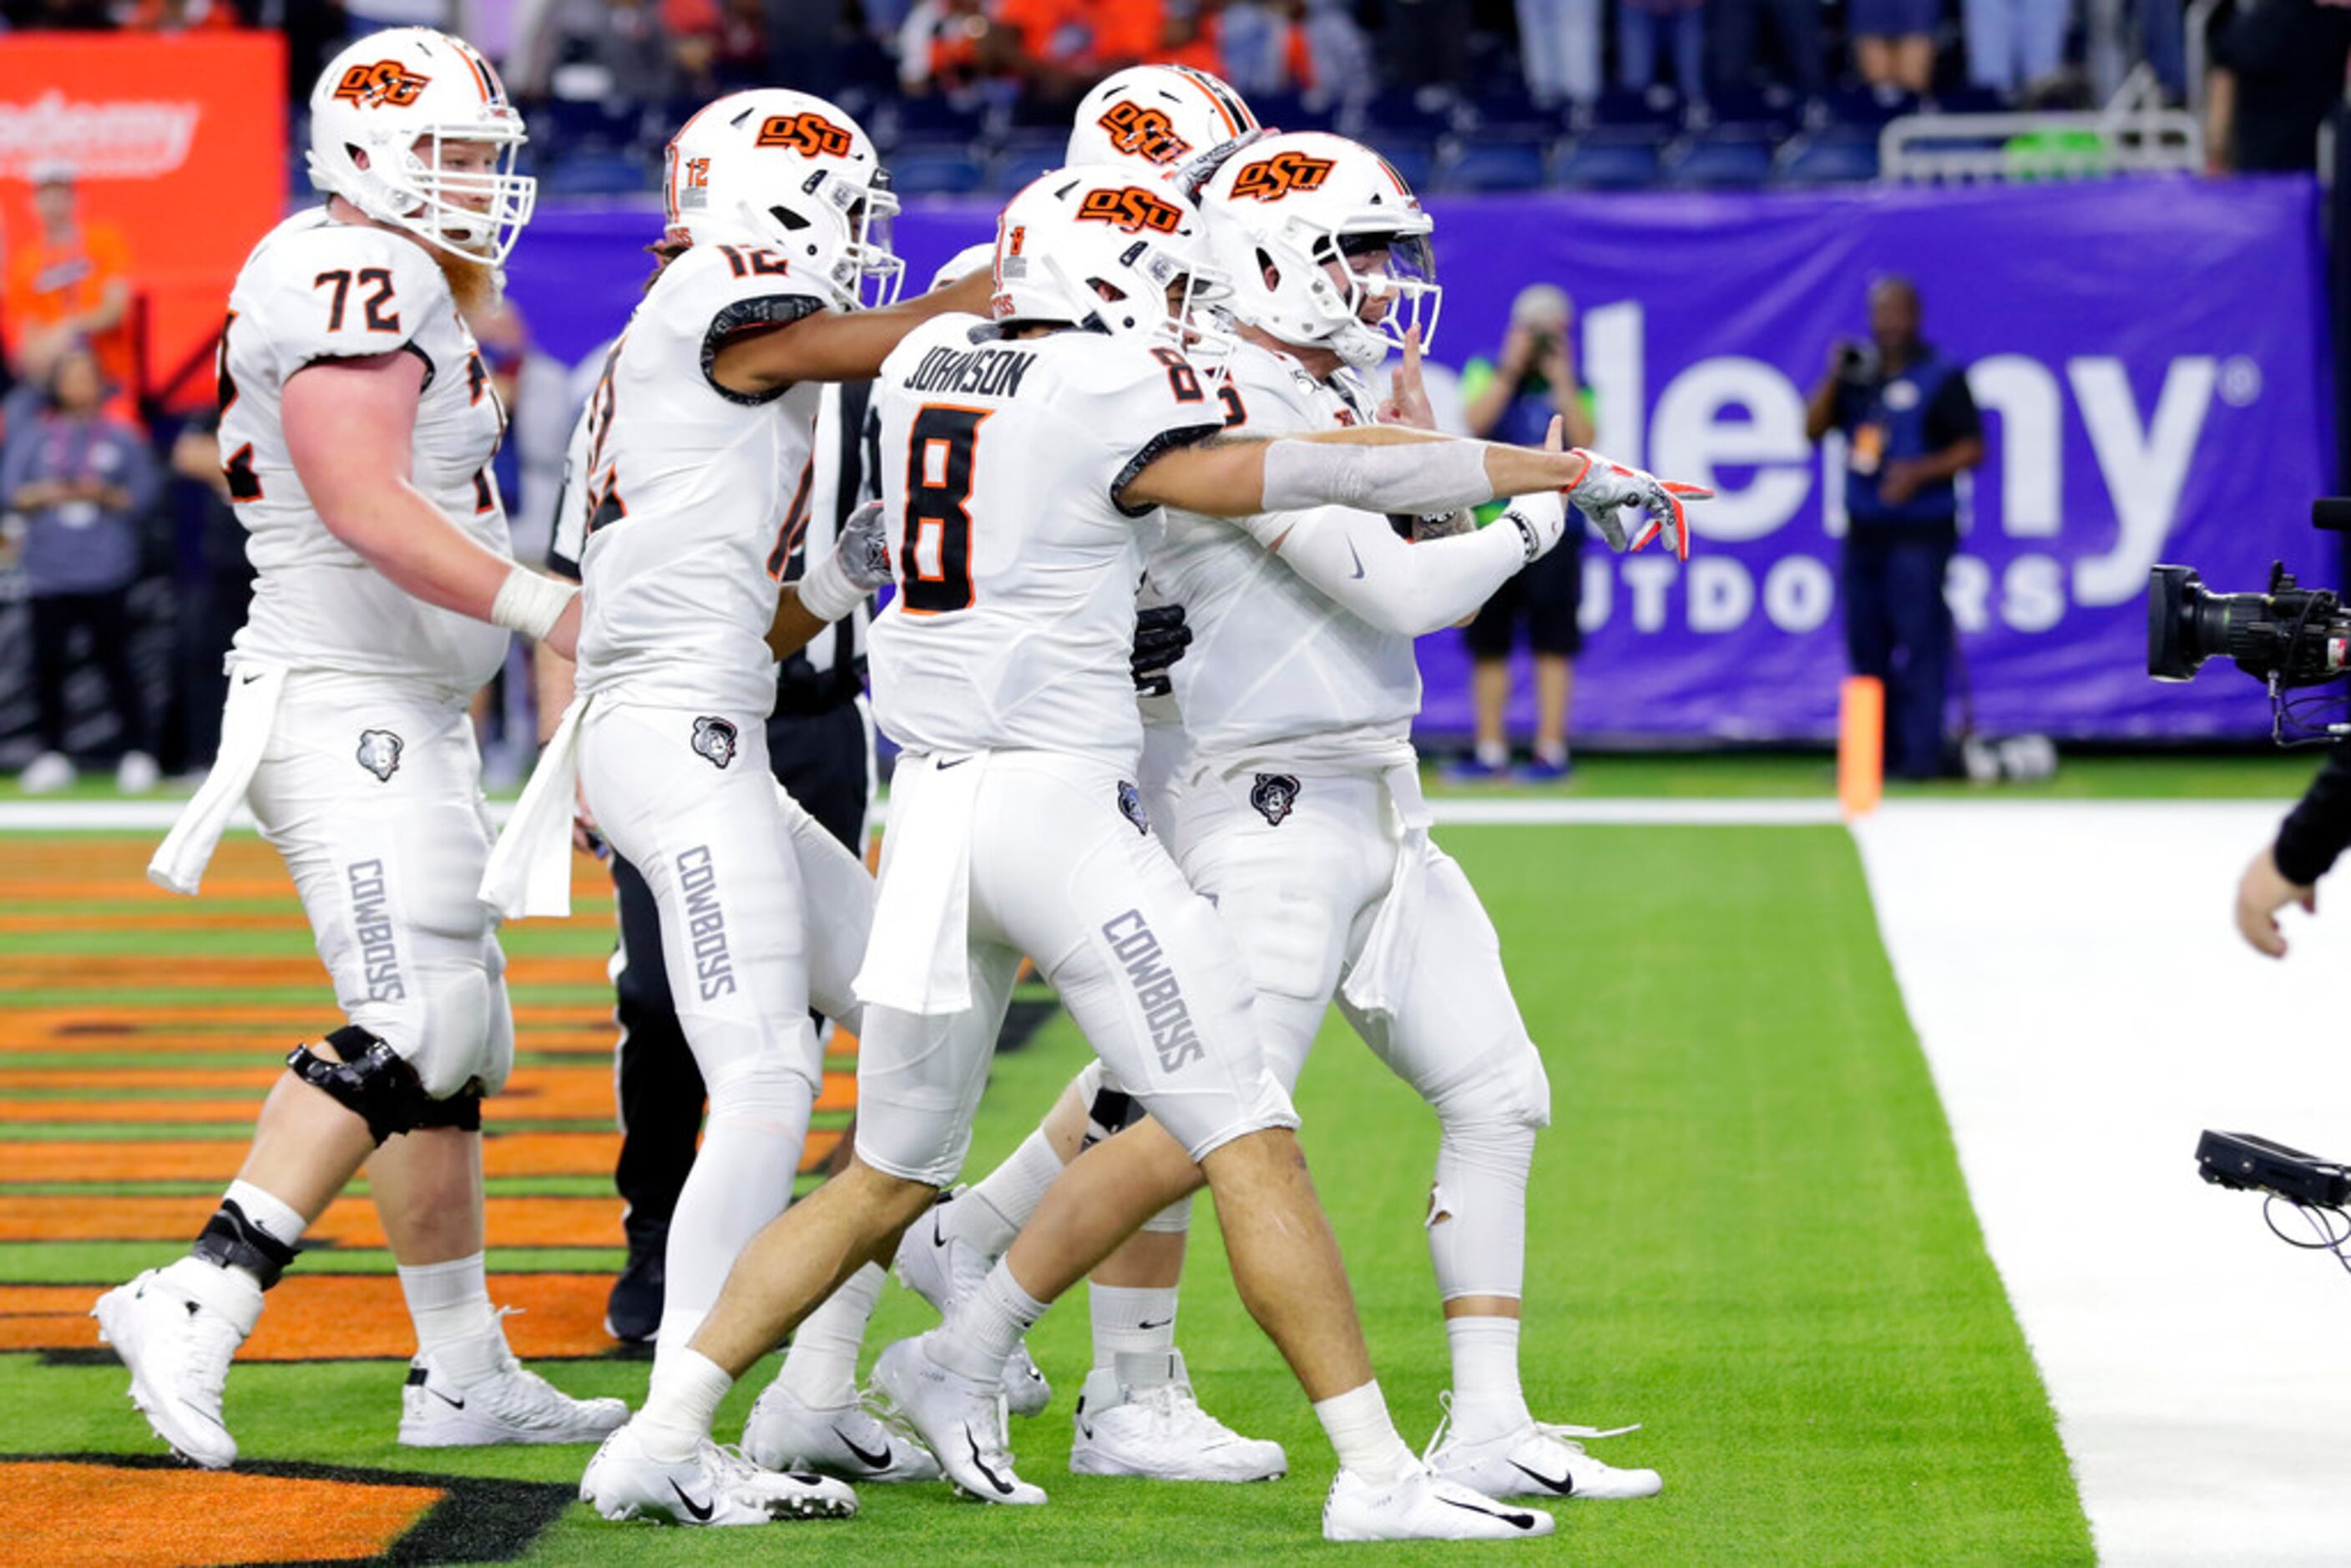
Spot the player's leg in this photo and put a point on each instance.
(1457, 1037)
(1149, 974)
(659, 1095)
(919, 1082)
(713, 845)
(1921, 626)
(1488, 637)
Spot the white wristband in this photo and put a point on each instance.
(531, 603)
(826, 592)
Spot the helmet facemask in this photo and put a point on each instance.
(475, 215)
(1351, 280)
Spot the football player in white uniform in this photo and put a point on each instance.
(1024, 464)
(358, 424)
(777, 277)
(1289, 795)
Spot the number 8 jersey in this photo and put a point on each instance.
(315, 290)
(1003, 468)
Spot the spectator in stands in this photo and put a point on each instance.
(2277, 73)
(1796, 30)
(1559, 48)
(69, 282)
(1911, 428)
(1894, 41)
(180, 15)
(718, 45)
(939, 48)
(1426, 43)
(1639, 26)
(603, 48)
(84, 481)
(2013, 45)
(1516, 400)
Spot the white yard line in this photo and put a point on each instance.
(157, 815)
(2087, 1009)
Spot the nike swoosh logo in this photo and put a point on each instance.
(1358, 559)
(1160, 1325)
(1515, 1520)
(1564, 1486)
(1003, 1488)
(453, 1404)
(956, 763)
(249, 680)
(701, 1510)
(880, 1461)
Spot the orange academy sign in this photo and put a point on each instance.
(177, 143)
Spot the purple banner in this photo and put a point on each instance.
(2149, 356)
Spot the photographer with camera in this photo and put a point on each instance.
(1910, 427)
(1514, 400)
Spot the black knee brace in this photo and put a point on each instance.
(230, 1241)
(372, 1082)
(461, 1109)
(1113, 1111)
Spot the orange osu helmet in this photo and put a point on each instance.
(1101, 246)
(1286, 208)
(792, 173)
(379, 116)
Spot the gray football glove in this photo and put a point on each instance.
(1616, 498)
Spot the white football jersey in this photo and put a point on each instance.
(1272, 661)
(1002, 463)
(316, 289)
(697, 494)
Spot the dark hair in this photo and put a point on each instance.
(79, 348)
(663, 251)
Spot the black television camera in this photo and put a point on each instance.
(2288, 637)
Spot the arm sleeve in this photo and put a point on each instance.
(1356, 559)
(1953, 417)
(2319, 827)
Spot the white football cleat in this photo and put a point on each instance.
(1419, 1507)
(1139, 1417)
(1538, 1459)
(942, 1270)
(177, 1345)
(784, 1433)
(961, 1418)
(512, 1405)
(714, 1486)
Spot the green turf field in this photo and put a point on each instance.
(1747, 1231)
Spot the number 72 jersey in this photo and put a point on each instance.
(316, 291)
(1004, 465)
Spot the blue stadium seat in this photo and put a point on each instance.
(1656, 105)
(931, 119)
(572, 123)
(1829, 160)
(1509, 114)
(1723, 166)
(936, 170)
(1482, 165)
(1403, 114)
(1026, 156)
(1609, 164)
(1291, 111)
(1415, 161)
(598, 175)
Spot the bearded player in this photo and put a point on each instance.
(358, 424)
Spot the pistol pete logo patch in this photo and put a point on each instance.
(1143, 132)
(1130, 805)
(714, 738)
(387, 84)
(1273, 795)
(1270, 179)
(807, 131)
(1133, 209)
(379, 752)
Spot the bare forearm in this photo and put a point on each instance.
(395, 529)
(556, 680)
(794, 627)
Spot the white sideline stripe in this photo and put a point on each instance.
(157, 815)
(2087, 1007)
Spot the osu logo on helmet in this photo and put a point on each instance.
(386, 83)
(1270, 179)
(1143, 132)
(807, 131)
(1132, 208)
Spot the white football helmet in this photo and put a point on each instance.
(1160, 116)
(381, 115)
(1286, 208)
(1111, 250)
(787, 173)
